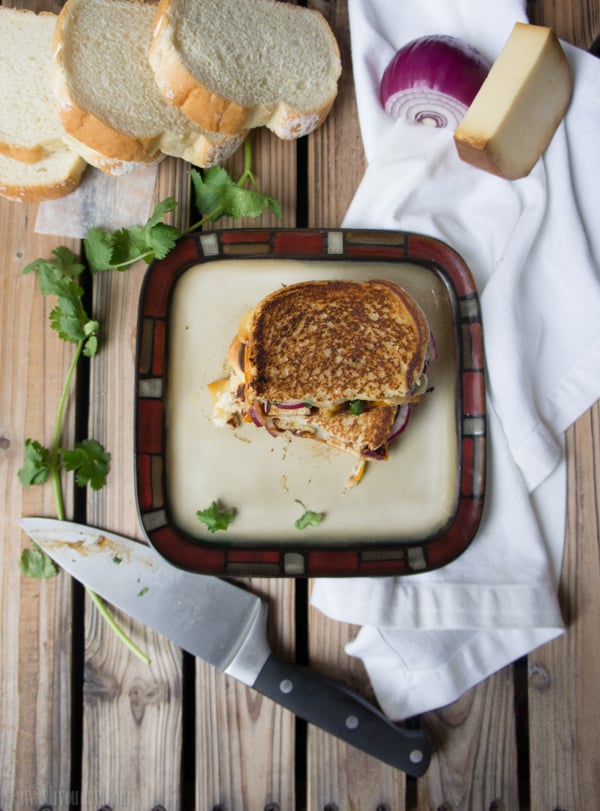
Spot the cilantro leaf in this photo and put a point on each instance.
(309, 518)
(90, 461)
(238, 202)
(208, 189)
(120, 249)
(35, 562)
(217, 195)
(58, 277)
(90, 346)
(36, 468)
(68, 318)
(65, 264)
(162, 208)
(98, 247)
(215, 517)
(161, 238)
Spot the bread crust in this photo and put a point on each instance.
(116, 152)
(213, 112)
(332, 341)
(37, 193)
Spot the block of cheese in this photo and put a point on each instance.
(519, 106)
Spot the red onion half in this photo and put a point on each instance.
(433, 80)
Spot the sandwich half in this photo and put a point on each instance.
(340, 362)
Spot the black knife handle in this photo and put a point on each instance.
(345, 714)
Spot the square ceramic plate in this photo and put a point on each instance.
(417, 511)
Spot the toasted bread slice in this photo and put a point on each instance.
(107, 97)
(235, 64)
(365, 435)
(330, 342)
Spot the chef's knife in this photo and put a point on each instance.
(226, 626)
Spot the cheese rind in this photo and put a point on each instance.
(519, 106)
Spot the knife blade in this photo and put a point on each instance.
(226, 626)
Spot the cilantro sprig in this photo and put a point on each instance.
(216, 195)
(216, 517)
(87, 459)
(309, 518)
(118, 250)
(59, 277)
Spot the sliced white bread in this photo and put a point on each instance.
(236, 64)
(29, 125)
(107, 98)
(54, 175)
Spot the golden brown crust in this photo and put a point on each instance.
(214, 113)
(86, 127)
(91, 131)
(332, 341)
(358, 433)
(41, 192)
(118, 151)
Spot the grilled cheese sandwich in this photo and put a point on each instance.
(336, 361)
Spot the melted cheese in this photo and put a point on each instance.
(519, 106)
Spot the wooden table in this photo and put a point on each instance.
(84, 724)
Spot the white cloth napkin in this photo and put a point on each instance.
(533, 246)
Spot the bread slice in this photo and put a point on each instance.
(54, 175)
(337, 341)
(107, 97)
(236, 64)
(29, 125)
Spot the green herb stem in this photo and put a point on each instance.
(216, 212)
(53, 461)
(60, 507)
(128, 262)
(247, 173)
(107, 616)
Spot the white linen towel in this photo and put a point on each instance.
(533, 246)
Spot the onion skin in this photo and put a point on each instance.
(433, 80)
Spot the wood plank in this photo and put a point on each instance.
(340, 136)
(576, 22)
(132, 713)
(246, 743)
(564, 675)
(339, 776)
(336, 159)
(35, 616)
(474, 765)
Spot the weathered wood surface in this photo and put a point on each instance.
(84, 724)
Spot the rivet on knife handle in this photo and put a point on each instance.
(345, 714)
